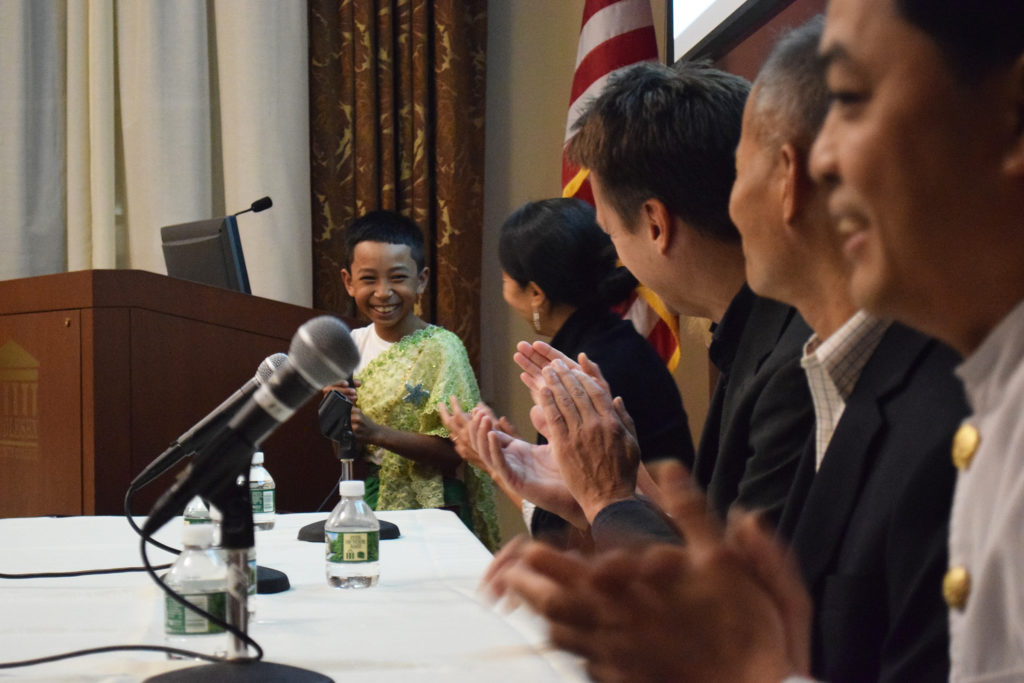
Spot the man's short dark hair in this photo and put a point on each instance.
(976, 36)
(389, 227)
(668, 133)
(790, 94)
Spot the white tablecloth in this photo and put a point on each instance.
(424, 622)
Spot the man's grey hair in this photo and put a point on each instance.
(790, 96)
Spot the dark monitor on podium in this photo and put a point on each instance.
(208, 252)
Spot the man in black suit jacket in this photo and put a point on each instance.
(869, 528)
(760, 414)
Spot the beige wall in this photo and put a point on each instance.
(531, 54)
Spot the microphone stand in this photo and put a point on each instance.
(237, 538)
(314, 531)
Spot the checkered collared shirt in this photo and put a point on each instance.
(833, 367)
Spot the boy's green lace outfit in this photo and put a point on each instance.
(401, 389)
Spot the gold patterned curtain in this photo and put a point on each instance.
(397, 122)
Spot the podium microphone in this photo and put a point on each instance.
(197, 435)
(261, 204)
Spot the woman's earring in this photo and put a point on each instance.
(536, 319)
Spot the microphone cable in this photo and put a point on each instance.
(110, 648)
(129, 494)
(79, 572)
(151, 570)
(94, 572)
(330, 494)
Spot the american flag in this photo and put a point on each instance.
(616, 33)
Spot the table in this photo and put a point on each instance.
(424, 621)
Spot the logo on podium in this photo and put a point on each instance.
(19, 404)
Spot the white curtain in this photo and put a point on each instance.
(120, 116)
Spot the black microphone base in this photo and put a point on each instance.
(314, 533)
(241, 672)
(271, 580)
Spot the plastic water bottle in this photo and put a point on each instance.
(352, 535)
(200, 576)
(263, 492)
(196, 512)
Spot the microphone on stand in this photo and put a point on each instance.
(195, 438)
(261, 204)
(335, 415)
(201, 432)
(321, 353)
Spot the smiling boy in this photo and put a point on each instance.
(406, 368)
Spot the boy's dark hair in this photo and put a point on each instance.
(975, 36)
(668, 133)
(557, 244)
(389, 227)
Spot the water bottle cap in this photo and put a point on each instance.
(352, 487)
(197, 535)
(257, 458)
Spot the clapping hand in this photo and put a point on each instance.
(534, 357)
(526, 469)
(728, 606)
(458, 423)
(591, 437)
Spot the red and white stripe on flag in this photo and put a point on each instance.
(616, 33)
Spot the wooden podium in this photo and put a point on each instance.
(101, 370)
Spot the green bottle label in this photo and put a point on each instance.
(181, 621)
(262, 500)
(353, 546)
(198, 520)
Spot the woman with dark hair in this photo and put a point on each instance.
(560, 273)
(555, 260)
